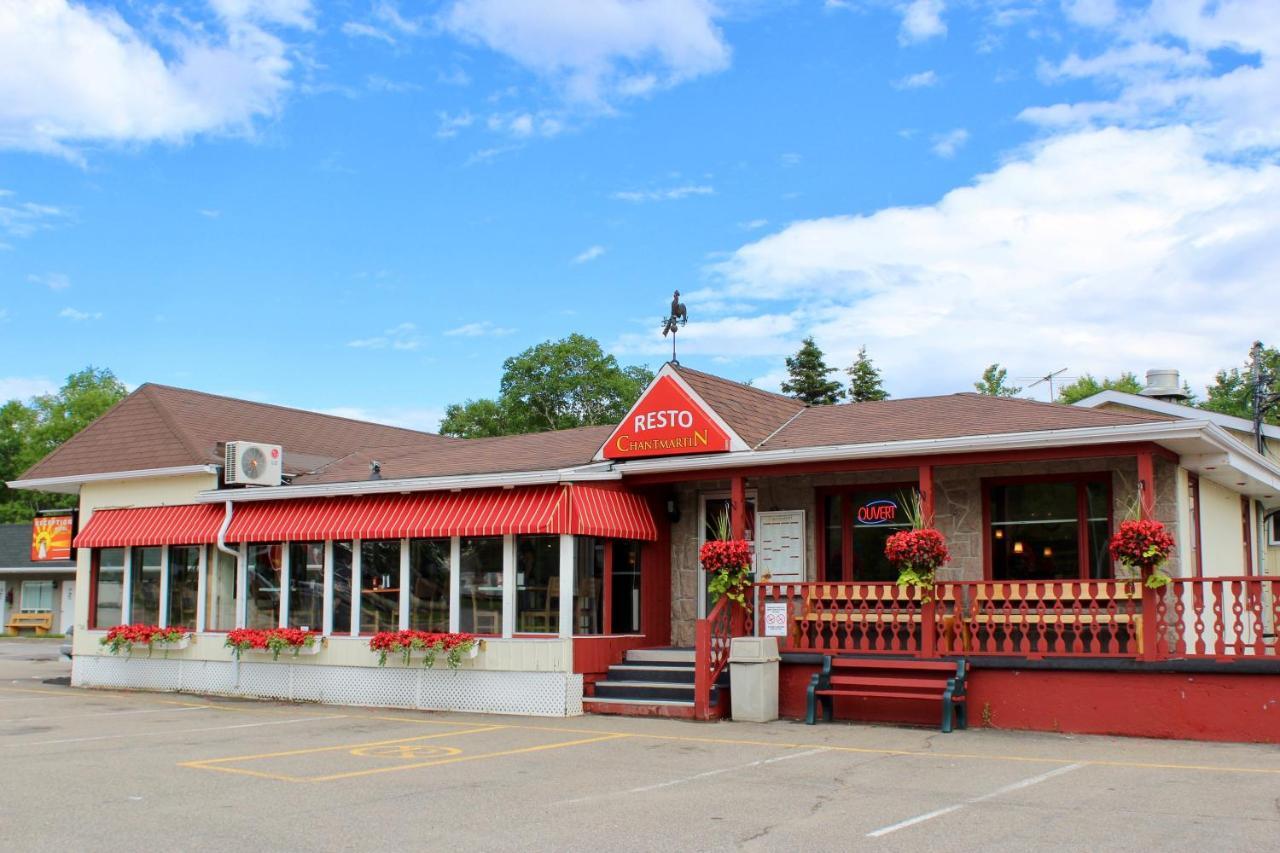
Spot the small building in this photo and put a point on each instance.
(34, 586)
(574, 554)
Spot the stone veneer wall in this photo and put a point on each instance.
(957, 512)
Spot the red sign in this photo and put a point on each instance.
(51, 538)
(666, 422)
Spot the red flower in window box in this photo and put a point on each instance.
(917, 554)
(127, 636)
(405, 643)
(274, 640)
(1144, 545)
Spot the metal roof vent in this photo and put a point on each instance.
(1164, 385)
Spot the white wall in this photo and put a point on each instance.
(1221, 533)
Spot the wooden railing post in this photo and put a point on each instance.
(929, 626)
(1150, 630)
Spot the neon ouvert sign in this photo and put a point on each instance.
(877, 512)
(666, 422)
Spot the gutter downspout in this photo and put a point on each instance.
(222, 546)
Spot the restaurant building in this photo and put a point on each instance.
(574, 554)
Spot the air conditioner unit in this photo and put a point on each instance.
(249, 463)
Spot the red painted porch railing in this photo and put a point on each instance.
(1222, 618)
(712, 639)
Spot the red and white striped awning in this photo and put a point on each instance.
(602, 511)
(584, 510)
(185, 524)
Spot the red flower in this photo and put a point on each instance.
(1141, 544)
(922, 550)
(725, 555)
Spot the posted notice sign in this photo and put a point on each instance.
(51, 538)
(775, 619)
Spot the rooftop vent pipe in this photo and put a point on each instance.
(1164, 385)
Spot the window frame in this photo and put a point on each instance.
(1273, 531)
(95, 565)
(22, 595)
(1081, 479)
(848, 566)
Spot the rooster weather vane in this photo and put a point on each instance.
(679, 316)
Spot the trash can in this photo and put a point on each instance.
(753, 678)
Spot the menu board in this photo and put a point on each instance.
(780, 546)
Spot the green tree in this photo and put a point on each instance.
(1087, 386)
(864, 379)
(554, 385)
(32, 430)
(994, 383)
(809, 381)
(1232, 393)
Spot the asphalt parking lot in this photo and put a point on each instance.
(115, 770)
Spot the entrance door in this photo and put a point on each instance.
(715, 511)
(67, 616)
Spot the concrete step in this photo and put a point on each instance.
(644, 690)
(649, 672)
(614, 700)
(660, 656)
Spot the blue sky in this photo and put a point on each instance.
(363, 207)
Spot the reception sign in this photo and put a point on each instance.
(51, 538)
(666, 422)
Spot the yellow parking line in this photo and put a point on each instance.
(462, 758)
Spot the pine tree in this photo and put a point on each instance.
(864, 380)
(809, 380)
(993, 382)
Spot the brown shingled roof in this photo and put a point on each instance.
(162, 427)
(948, 416)
(754, 414)
(538, 451)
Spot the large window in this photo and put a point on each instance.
(306, 585)
(342, 587)
(108, 590)
(588, 586)
(144, 573)
(1049, 529)
(184, 574)
(429, 585)
(481, 584)
(537, 584)
(379, 585)
(265, 563)
(857, 521)
(37, 596)
(220, 591)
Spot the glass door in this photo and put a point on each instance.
(716, 512)
(856, 524)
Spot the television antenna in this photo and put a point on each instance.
(1049, 378)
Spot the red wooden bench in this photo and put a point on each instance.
(890, 679)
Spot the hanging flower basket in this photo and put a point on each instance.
(273, 641)
(917, 554)
(727, 563)
(125, 637)
(455, 647)
(1143, 546)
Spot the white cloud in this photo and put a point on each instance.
(402, 337)
(753, 224)
(450, 124)
(426, 419)
(209, 212)
(921, 21)
(589, 254)
(482, 329)
(668, 194)
(359, 29)
(78, 316)
(71, 73)
(921, 80)
(1103, 250)
(1094, 13)
(598, 50)
(22, 219)
(51, 280)
(25, 387)
(947, 144)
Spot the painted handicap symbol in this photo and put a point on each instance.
(406, 751)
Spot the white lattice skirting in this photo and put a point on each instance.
(542, 694)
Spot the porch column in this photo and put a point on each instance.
(567, 552)
(926, 493)
(738, 507)
(1147, 484)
